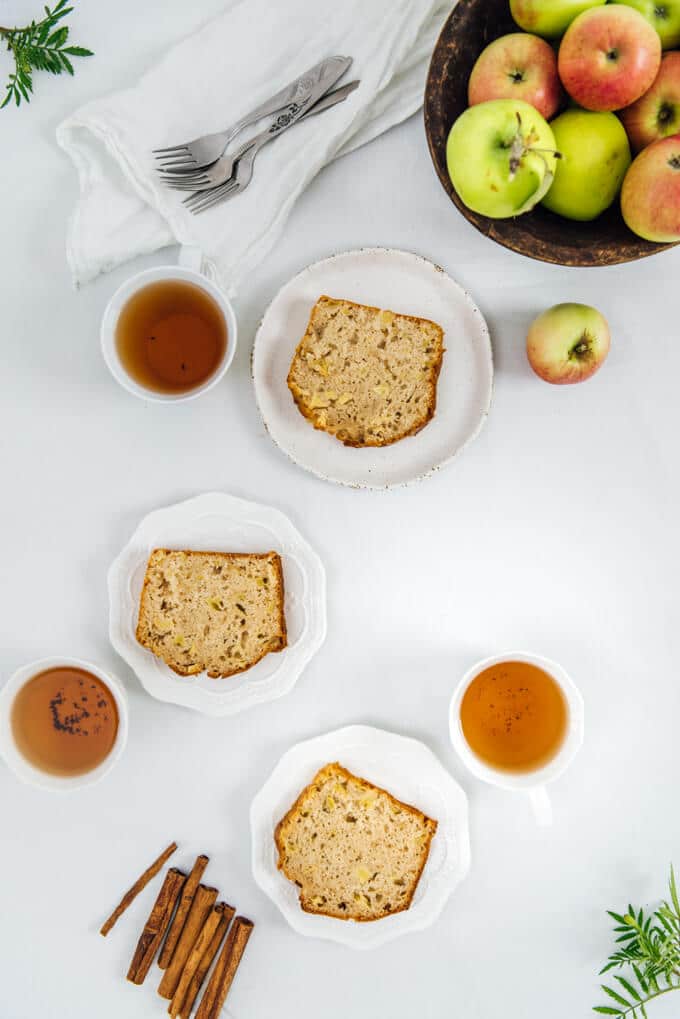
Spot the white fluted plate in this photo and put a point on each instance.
(404, 767)
(221, 523)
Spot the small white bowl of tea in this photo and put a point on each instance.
(63, 723)
(169, 334)
(517, 722)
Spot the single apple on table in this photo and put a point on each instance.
(595, 155)
(657, 113)
(663, 15)
(501, 157)
(650, 198)
(517, 66)
(568, 343)
(609, 57)
(550, 18)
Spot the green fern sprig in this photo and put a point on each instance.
(649, 954)
(40, 46)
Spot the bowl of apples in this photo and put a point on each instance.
(554, 125)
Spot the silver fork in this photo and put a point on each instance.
(204, 150)
(204, 199)
(223, 170)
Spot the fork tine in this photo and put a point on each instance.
(209, 198)
(215, 200)
(176, 165)
(193, 186)
(198, 197)
(201, 196)
(182, 176)
(171, 148)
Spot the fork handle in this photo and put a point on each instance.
(285, 102)
(318, 101)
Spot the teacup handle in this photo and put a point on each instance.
(541, 806)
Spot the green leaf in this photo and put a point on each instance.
(67, 63)
(640, 979)
(610, 965)
(616, 997)
(606, 1010)
(674, 892)
(77, 51)
(58, 38)
(628, 987)
(59, 12)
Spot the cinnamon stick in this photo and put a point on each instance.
(156, 926)
(195, 955)
(182, 912)
(137, 887)
(206, 962)
(225, 969)
(204, 900)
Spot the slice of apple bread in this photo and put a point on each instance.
(219, 612)
(366, 376)
(355, 851)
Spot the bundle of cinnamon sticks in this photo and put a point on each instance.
(191, 925)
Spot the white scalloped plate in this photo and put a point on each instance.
(402, 282)
(407, 769)
(221, 523)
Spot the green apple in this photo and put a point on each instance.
(595, 155)
(550, 18)
(501, 157)
(663, 15)
(568, 343)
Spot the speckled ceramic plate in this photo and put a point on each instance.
(411, 772)
(405, 283)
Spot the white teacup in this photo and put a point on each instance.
(189, 268)
(531, 782)
(19, 764)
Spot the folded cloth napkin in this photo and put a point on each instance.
(207, 82)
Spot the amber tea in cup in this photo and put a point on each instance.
(514, 716)
(171, 336)
(64, 721)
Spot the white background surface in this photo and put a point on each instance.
(556, 531)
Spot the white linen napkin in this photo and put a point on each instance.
(206, 83)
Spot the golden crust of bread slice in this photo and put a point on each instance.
(364, 375)
(353, 849)
(214, 612)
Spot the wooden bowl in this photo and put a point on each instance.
(471, 26)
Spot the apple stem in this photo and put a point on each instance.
(519, 148)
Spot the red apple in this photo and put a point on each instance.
(568, 343)
(609, 57)
(650, 198)
(517, 66)
(657, 113)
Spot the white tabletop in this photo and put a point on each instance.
(556, 531)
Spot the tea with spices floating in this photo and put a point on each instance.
(514, 716)
(171, 336)
(64, 721)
